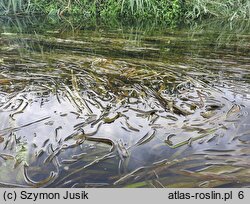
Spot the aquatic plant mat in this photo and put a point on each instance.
(123, 107)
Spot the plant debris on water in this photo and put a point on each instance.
(114, 108)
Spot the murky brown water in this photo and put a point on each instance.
(124, 107)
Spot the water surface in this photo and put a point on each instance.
(123, 106)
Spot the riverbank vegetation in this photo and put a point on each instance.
(167, 11)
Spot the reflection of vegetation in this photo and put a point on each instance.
(230, 33)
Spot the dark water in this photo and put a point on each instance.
(124, 106)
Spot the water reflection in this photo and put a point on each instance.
(115, 108)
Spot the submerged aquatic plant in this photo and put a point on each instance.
(107, 103)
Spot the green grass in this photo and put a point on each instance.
(227, 9)
(15, 7)
(164, 11)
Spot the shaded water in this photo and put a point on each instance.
(123, 107)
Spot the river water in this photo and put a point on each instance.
(124, 106)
